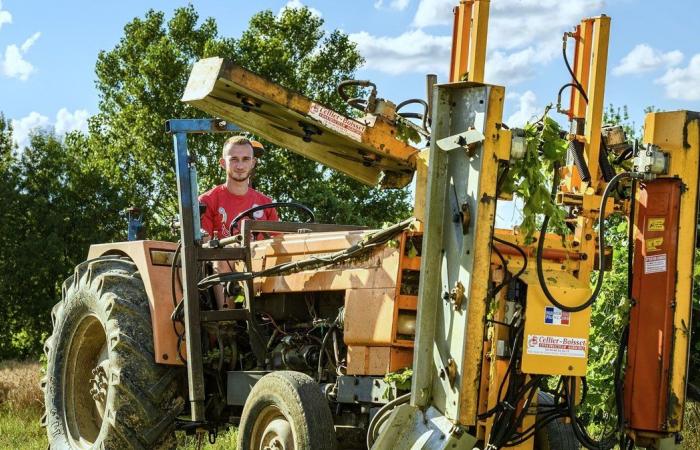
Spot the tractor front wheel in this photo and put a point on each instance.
(286, 411)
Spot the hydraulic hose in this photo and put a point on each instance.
(381, 416)
(601, 251)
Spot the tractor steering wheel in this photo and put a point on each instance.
(250, 211)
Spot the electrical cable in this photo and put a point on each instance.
(519, 250)
(177, 306)
(368, 242)
(423, 117)
(601, 249)
(571, 71)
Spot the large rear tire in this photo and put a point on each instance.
(103, 389)
(286, 411)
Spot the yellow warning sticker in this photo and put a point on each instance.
(653, 244)
(656, 224)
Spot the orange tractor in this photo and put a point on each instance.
(495, 329)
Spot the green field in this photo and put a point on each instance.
(21, 410)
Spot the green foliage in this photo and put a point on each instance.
(609, 315)
(141, 80)
(60, 195)
(405, 132)
(139, 83)
(401, 379)
(57, 204)
(530, 177)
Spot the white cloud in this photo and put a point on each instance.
(683, 83)
(22, 128)
(643, 58)
(13, 64)
(398, 5)
(26, 45)
(295, 4)
(413, 51)
(5, 16)
(515, 23)
(515, 67)
(65, 122)
(522, 35)
(434, 12)
(527, 108)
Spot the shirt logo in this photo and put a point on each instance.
(224, 230)
(258, 214)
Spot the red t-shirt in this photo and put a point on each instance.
(223, 207)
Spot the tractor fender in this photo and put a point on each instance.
(153, 260)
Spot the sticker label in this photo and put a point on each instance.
(538, 344)
(555, 316)
(654, 244)
(337, 122)
(656, 224)
(655, 263)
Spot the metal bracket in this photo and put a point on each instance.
(462, 140)
(467, 139)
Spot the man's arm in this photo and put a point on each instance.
(207, 219)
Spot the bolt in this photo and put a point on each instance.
(571, 367)
(589, 237)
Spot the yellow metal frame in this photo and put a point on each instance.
(460, 39)
(477, 309)
(679, 134)
(469, 35)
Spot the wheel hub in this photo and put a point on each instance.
(99, 387)
(276, 431)
(86, 383)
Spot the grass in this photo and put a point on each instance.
(21, 407)
(22, 404)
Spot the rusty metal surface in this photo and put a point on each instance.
(156, 281)
(651, 317)
(365, 150)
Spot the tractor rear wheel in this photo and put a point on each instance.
(286, 411)
(103, 388)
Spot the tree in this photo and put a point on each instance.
(140, 82)
(57, 204)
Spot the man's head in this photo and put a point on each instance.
(237, 158)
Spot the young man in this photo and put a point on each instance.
(226, 201)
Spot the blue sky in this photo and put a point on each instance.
(48, 49)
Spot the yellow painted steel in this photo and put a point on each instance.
(421, 188)
(460, 40)
(477, 41)
(596, 92)
(469, 388)
(583, 66)
(551, 349)
(679, 134)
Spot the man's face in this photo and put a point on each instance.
(238, 161)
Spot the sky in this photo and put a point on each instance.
(48, 50)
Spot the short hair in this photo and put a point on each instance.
(235, 140)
